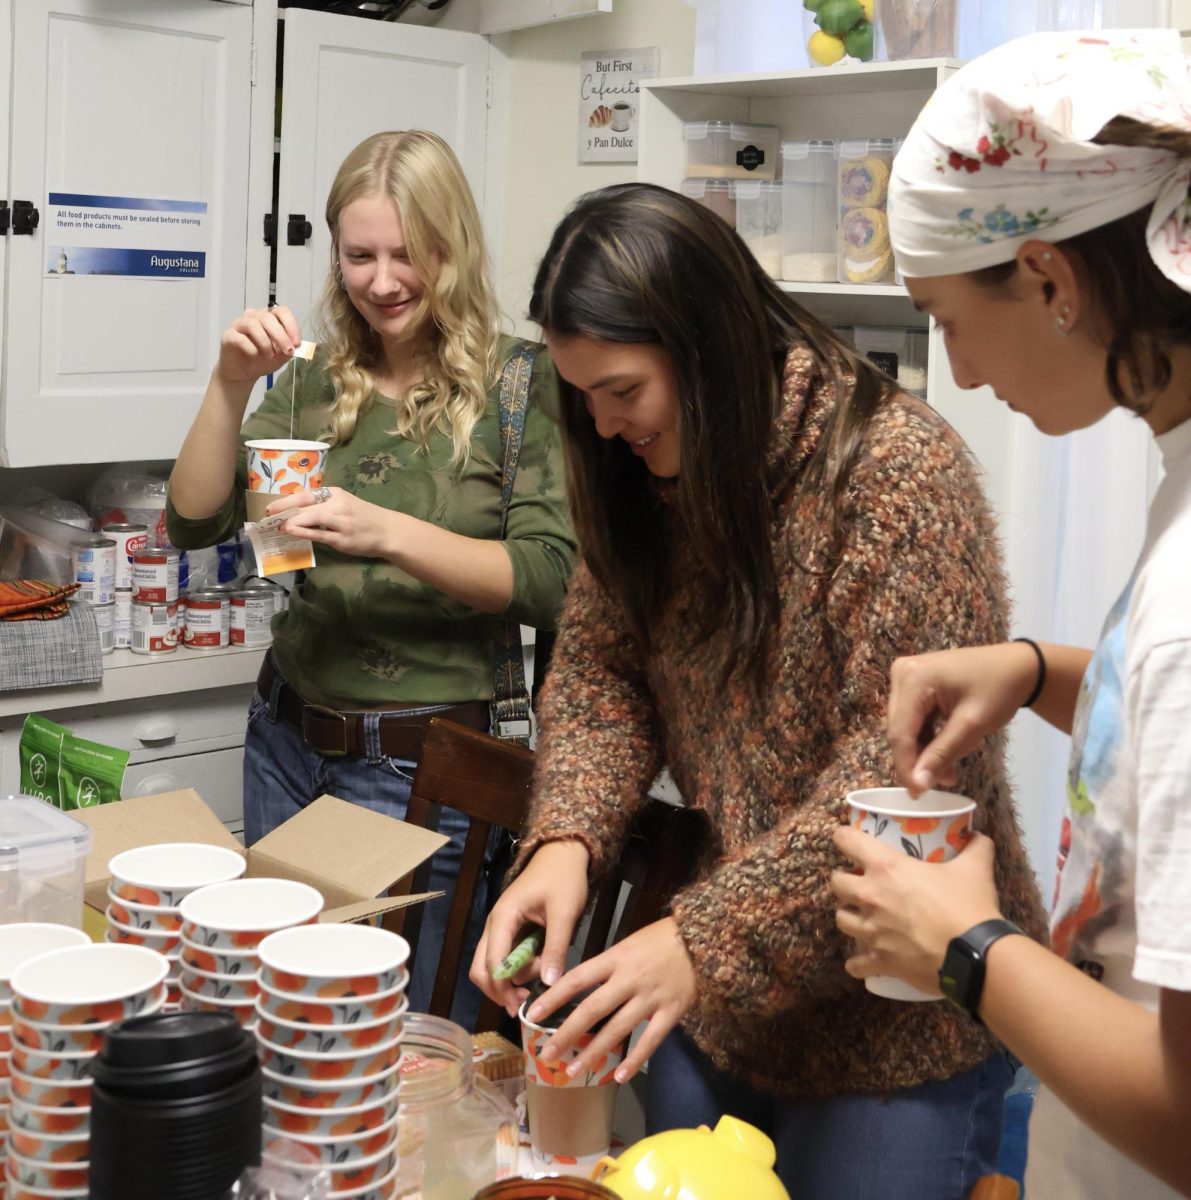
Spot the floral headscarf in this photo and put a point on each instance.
(1003, 152)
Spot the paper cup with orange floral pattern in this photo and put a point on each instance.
(934, 829)
(568, 1134)
(281, 467)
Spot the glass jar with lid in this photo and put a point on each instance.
(455, 1132)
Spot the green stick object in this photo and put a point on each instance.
(522, 954)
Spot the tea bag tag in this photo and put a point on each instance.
(305, 350)
(277, 552)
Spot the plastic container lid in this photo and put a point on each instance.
(700, 187)
(858, 149)
(738, 131)
(754, 189)
(36, 836)
(796, 151)
(172, 1039)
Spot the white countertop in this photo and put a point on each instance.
(128, 676)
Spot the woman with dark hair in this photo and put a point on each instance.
(766, 522)
(1041, 201)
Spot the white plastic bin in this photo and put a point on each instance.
(809, 211)
(730, 150)
(43, 853)
(863, 238)
(759, 221)
(715, 194)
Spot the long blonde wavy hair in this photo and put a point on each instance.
(419, 172)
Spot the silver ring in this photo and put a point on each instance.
(322, 495)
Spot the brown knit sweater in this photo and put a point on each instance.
(919, 571)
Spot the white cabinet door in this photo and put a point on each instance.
(344, 79)
(5, 86)
(134, 116)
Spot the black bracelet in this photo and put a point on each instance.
(1040, 682)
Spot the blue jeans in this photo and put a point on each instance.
(282, 774)
(930, 1142)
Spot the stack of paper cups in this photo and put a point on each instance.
(222, 926)
(332, 1009)
(63, 1003)
(148, 886)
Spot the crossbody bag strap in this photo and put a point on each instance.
(510, 695)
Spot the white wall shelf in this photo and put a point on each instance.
(857, 303)
(507, 16)
(129, 676)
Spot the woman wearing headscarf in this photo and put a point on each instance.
(1039, 211)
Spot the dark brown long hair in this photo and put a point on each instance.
(636, 263)
(1143, 312)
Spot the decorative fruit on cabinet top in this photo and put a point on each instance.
(845, 30)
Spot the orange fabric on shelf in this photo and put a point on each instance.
(33, 599)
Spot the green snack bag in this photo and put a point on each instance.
(90, 774)
(67, 771)
(41, 755)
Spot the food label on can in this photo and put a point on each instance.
(129, 540)
(154, 628)
(155, 576)
(123, 620)
(252, 615)
(207, 623)
(105, 622)
(95, 572)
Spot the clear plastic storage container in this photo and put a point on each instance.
(922, 28)
(759, 221)
(900, 353)
(42, 857)
(715, 194)
(808, 211)
(730, 150)
(864, 254)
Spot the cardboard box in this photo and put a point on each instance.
(351, 854)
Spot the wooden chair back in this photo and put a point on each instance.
(489, 780)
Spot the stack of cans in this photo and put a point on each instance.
(129, 539)
(155, 627)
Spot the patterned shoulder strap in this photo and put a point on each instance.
(510, 695)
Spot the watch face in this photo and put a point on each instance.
(960, 975)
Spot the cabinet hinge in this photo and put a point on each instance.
(252, 66)
(488, 90)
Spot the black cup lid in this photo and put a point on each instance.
(165, 1039)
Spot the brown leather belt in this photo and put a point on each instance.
(337, 733)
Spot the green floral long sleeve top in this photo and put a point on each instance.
(361, 632)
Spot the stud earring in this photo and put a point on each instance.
(1061, 319)
(1047, 256)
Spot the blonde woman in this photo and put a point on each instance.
(396, 623)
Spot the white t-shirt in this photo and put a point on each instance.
(1122, 908)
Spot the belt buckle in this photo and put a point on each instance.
(321, 711)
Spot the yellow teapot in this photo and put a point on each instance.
(733, 1160)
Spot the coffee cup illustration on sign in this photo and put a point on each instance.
(622, 114)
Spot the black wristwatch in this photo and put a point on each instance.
(961, 977)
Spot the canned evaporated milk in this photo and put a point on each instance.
(129, 539)
(207, 620)
(95, 571)
(253, 607)
(123, 622)
(154, 628)
(105, 622)
(155, 575)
